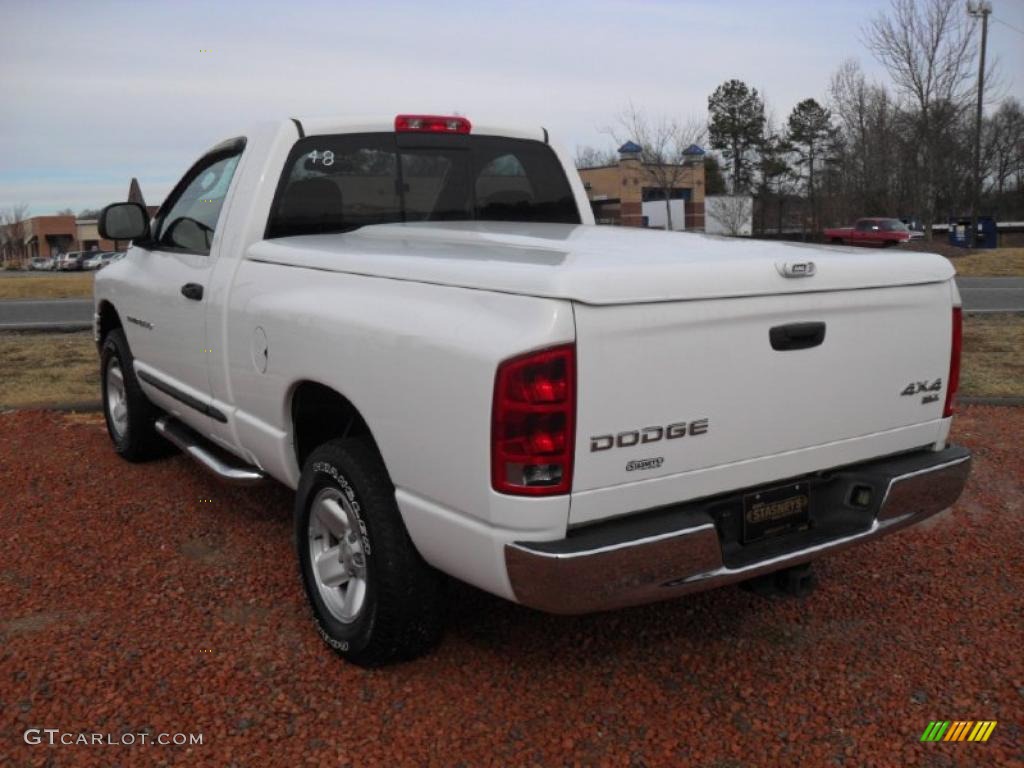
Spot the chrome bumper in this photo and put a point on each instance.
(614, 568)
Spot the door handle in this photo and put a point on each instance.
(796, 336)
(192, 291)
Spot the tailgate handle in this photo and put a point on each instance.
(797, 336)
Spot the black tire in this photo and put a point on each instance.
(137, 440)
(837, 241)
(401, 613)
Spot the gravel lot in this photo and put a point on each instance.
(152, 599)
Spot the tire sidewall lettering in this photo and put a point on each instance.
(331, 471)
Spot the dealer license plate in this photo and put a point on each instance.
(775, 511)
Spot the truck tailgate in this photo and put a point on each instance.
(752, 413)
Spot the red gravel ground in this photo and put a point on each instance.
(152, 599)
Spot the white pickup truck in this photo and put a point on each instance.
(416, 325)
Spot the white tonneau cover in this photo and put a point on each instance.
(597, 265)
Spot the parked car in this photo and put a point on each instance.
(110, 257)
(915, 227)
(460, 373)
(872, 231)
(74, 261)
(40, 263)
(93, 261)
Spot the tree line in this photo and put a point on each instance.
(901, 149)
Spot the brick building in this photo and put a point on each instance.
(46, 236)
(618, 193)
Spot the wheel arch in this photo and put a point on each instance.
(108, 320)
(320, 413)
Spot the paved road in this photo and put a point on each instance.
(992, 294)
(59, 314)
(980, 294)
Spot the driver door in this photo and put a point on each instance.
(166, 312)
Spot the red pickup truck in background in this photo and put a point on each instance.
(881, 232)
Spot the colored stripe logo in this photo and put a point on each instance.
(958, 730)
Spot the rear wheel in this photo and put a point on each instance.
(837, 241)
(374, 599)
(128, 413)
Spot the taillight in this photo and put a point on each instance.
(431, 124)
(953, 382)
(533, 423)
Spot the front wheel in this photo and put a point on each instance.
(374, 599)
(128, 413)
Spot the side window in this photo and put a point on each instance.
(191, 220)
(863, 225)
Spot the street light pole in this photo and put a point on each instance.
(982, 9)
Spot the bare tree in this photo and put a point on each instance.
(1004, 145)
(928, 48)
(12, 227)
(592, 157)
(663, 143)
(733, 214)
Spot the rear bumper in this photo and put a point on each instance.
(674, 551)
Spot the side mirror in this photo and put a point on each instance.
(124, 221)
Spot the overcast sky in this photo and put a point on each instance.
(93, 93)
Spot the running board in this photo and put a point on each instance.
(199, 449)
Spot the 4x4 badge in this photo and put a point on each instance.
(917, 387)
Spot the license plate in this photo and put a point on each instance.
(775, 511)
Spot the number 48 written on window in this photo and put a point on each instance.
(325, 158)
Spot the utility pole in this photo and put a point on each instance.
(976, 9)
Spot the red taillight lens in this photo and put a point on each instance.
(953, 382)
(533, 423)
(431, 124)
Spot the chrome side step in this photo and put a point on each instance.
(198, 448)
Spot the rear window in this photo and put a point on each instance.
(340, 183)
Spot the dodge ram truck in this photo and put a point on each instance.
(878, 232)
(416, 325)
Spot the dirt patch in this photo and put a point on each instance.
(993, 356)
(997, 262)
(76, 285)
(39, 622)
(206, 550)
(244, 614)
(41, 368)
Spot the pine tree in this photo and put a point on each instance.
(736, 128)
(810, 134)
